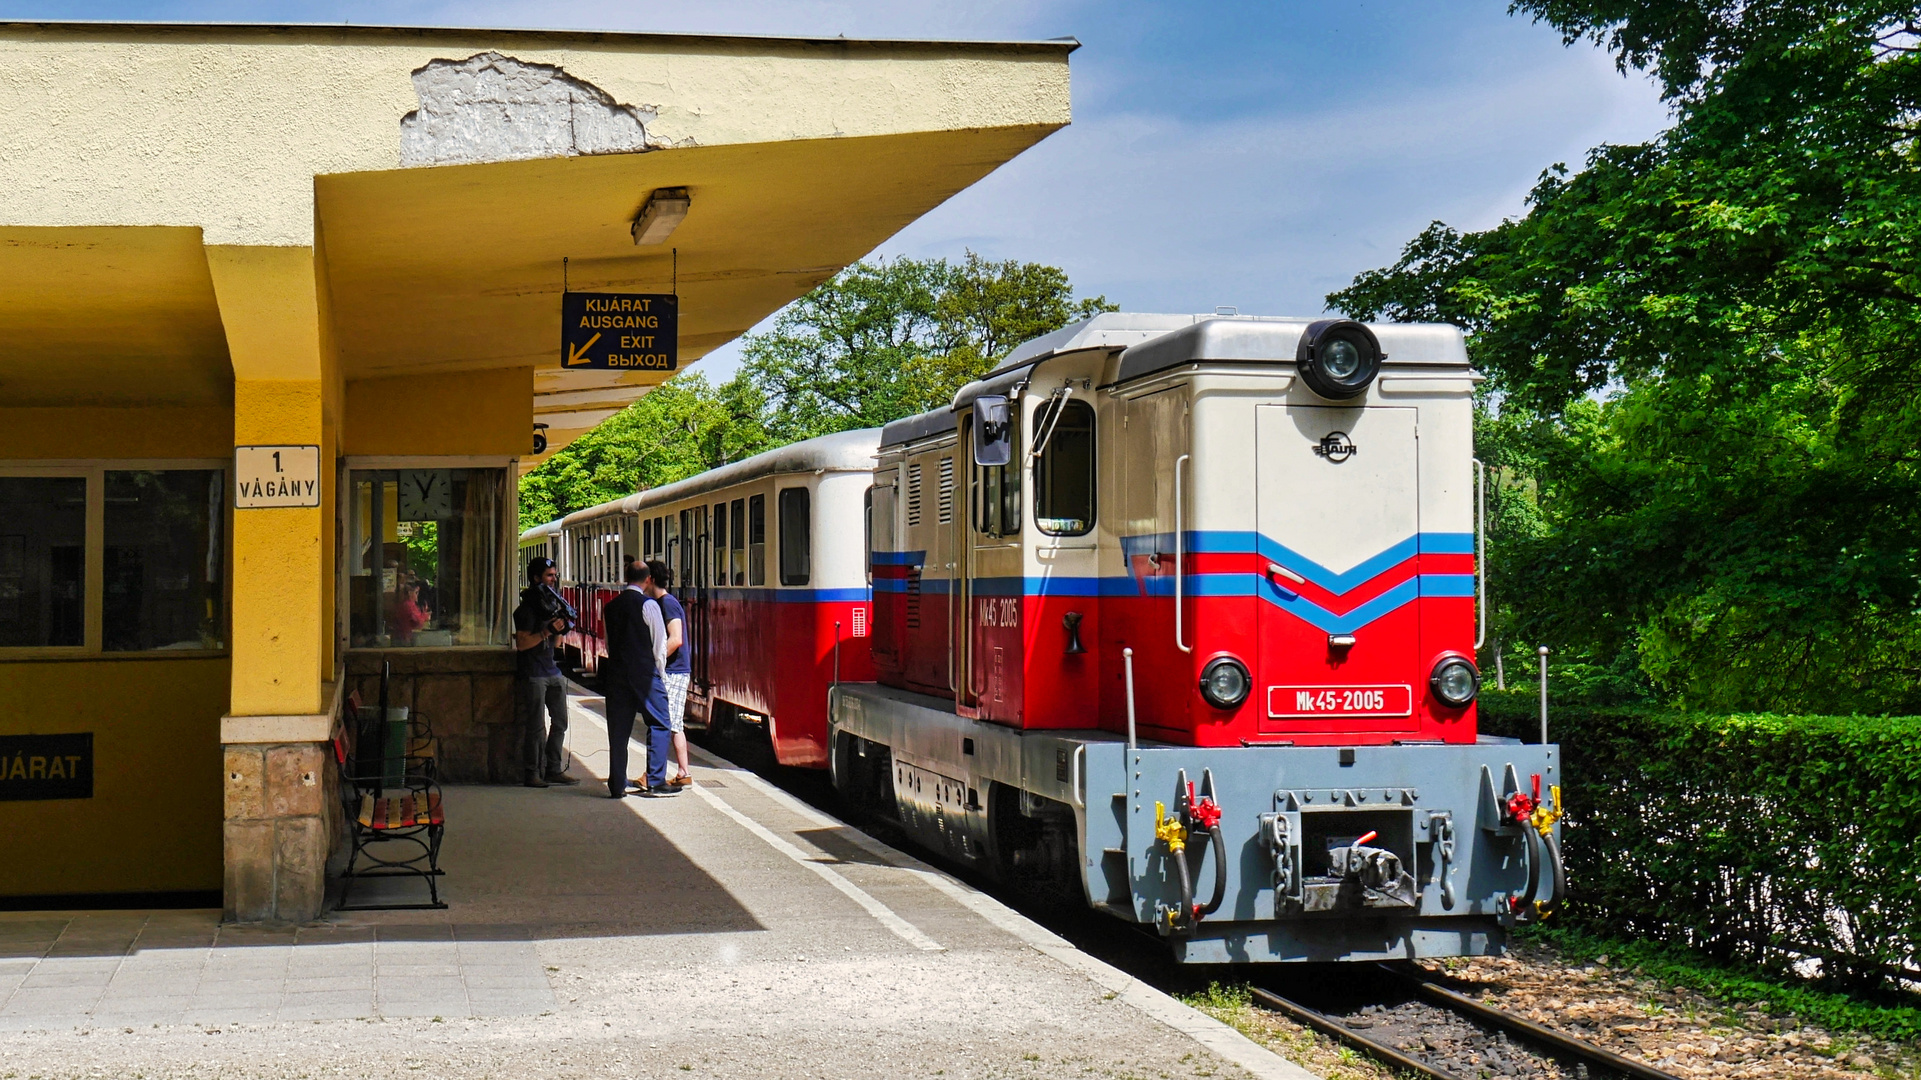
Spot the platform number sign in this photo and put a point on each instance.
(271, 477)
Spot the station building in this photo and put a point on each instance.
(279, 317)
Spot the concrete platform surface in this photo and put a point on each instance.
(728, 931)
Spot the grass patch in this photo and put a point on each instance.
(1736, 984)
(1218, 998)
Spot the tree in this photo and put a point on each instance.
(1704, 360)
(882, 340)
(680, 428)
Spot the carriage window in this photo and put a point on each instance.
(720, 543)
(670, 545)
(738, 560)
(757, 540)
(1064, 474)
(796, 540)
(997, 498)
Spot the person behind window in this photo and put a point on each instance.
(675, 671)
(538, 621)
(405, 616)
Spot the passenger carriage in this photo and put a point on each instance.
(774, 583)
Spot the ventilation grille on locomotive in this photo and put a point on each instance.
(946, 490)
(913, 494)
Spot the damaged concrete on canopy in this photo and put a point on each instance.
(441, 177)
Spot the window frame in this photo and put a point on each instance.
(806, 575)
(566, 555)
(1036, 484)
(93, 593)
(737, 543)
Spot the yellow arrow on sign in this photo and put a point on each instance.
(577, 356)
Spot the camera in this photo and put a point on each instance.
(550, 605)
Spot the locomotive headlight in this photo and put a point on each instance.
(1338, 358)
(1455, 682)
(1225, 682)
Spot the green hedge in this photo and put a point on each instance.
(1738, 835)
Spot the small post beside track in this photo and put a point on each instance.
(1544, 695)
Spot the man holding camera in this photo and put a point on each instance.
(541, 618)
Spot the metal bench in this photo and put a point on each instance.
(391, 800)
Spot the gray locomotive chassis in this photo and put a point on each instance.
(942, 795)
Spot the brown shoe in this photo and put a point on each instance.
(683, 780)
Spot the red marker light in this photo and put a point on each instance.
(1364, 839)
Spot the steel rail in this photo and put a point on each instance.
(1333, 1028)
(1440, 995)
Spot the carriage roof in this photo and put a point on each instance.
(541, 532)
(843, 451)
(1152, 343)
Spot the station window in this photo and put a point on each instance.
(796, 538)
(1064, 472)
(757, 540)
(429, 558)
(43, 561)
(159, 538)
(164, 552)
(737, 558)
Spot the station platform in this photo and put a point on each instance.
(730, 930)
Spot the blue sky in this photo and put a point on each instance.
(1256, 155)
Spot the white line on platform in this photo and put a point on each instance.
(1202, 1028)
(882, 914)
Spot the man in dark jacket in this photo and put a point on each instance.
(629, 680)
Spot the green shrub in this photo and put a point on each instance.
(1738, 836)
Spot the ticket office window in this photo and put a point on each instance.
(737, 551)
(104, 559)
(429, 560)
(757, 540)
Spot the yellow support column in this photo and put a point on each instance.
(278, 831)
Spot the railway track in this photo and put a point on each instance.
(1403, 1018)
(1429, 1030)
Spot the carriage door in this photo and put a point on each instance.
(1338, 512)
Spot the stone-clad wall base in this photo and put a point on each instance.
(466, 694)
(282, 821)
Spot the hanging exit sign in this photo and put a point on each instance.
(619, 331)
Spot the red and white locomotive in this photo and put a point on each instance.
(1178, 615)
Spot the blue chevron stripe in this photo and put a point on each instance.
(1224, 542)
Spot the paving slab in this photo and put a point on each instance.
(727, 931)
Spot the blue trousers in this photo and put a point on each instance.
(622, 713)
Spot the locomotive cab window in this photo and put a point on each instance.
(1064, 471)
(796, 540)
